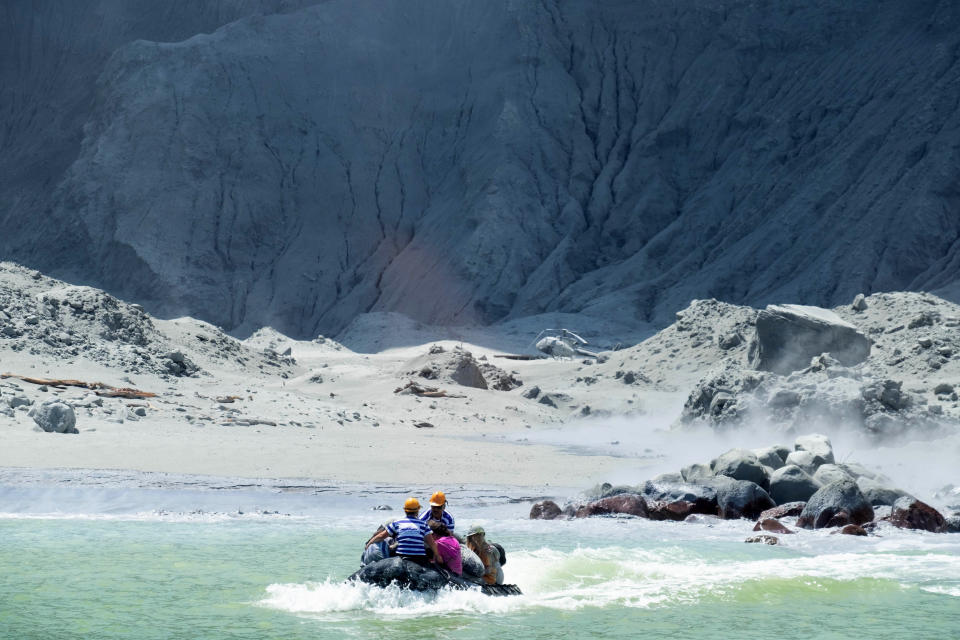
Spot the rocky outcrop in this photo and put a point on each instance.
(789, 336)
(836, 504)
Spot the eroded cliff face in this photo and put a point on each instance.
(469, 161)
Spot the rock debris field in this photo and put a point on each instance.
(92, 382)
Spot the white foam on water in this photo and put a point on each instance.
(617, 576)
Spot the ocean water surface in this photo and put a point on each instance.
(218, 562)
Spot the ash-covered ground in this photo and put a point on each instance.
(271, 406)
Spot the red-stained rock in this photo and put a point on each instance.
(771, 524)
(853, 530)
(763, 538)
(624, 503)
(839, 519)
(913, 514)
(546, 510)
(784, 510)
(677, 510)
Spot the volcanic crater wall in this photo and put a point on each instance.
(298, 163)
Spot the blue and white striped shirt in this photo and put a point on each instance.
(446, 518)
(409, 533)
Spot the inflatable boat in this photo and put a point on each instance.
(410, 575)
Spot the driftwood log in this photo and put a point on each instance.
(99, 388)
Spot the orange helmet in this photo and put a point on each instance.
(412, 504)
(438, 499)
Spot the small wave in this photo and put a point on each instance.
(335, 600)
(615, 576)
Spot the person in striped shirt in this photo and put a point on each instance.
(412, 534)
(438, 511)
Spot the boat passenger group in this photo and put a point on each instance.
(428, 539)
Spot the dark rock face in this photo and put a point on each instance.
(789, 336)
(831, 500)
(640, 172)
(626, 504)
(772, 525)
(792, 484)
(741, 499)
(909, 513)
(546, 510)
(784, 510)
(763, 539)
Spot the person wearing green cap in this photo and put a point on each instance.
(489, 555)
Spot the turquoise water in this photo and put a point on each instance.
(148, 579)
(215, 575)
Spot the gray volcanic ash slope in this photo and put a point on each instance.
(468, 162)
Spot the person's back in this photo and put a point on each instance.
(410, 534)
(448, 547)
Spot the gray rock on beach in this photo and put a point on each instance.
(842, 500)
(740, 464)
(792, 484)
(828, 473)
(740, 498)
(55, 416)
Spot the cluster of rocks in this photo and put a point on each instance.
(805, 365)
(459, 366)
(48, 317)
(804, 482)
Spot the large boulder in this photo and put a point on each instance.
(55, 416)
(740, 498)
(790, 509)
(789, 336)
(792, 484)
(624, 504)
(817, 444)
(545, 510)
(806, 460)
(878, 493)
(840, 501)
(827, 473)
(677, 510)
(740, 464)
(696, 471)
(910, 513)
(772, 457)
(701, 495)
